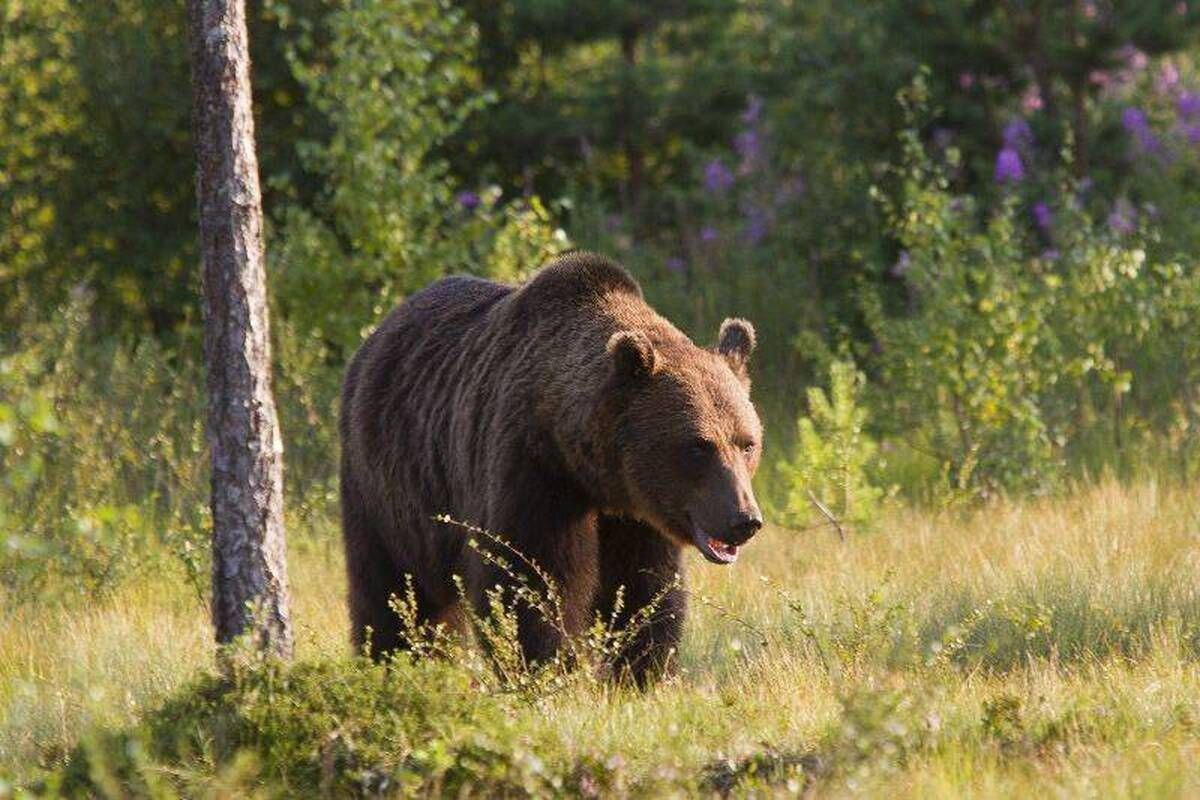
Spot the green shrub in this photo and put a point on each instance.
(1011, 352)
(101, 452)
(833, 454)
(393, 81)
(345, 728)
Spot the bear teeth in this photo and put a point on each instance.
(727, 550)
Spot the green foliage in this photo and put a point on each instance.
(347, 728)
(392, 83)
(437, 718)
(833, 454)
(102, 457)
(1008, 356)
(103, 463)
(39, 107)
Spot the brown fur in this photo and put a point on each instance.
(563, 415)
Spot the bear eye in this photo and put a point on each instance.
(748, 448)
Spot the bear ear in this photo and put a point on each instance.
(736, 342)
(632, 354)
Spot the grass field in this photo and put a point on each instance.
(1041, 648)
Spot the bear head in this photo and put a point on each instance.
(689, 440)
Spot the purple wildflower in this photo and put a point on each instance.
(1009, 168)
(677, 265)
(1134, 58)
(1018, 134)
(1051, 254)
(1191, 132)
(708, 234)
(1189, 105)
(1134, 120)
(1122, 220)
(1043, 217)
(1137, 124)
(757, 226)
(966, 80)
(1167, 79)
(754, 109)
(902, 265)
(748, 145)
(468, 200)
(717, 177)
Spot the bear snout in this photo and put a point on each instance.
(743, 527)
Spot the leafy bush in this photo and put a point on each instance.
(102, 455)
(1011, 350)
(833, 454)
(348, 728)
(393, 81)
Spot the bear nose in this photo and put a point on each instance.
(744, 526)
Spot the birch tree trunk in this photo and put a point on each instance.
(250, 587)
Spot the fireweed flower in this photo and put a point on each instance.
(1137, 125)
(708, 234)
(468, 200)
(1134, 58)
(1017, 134)
(677, 265)
(757, 226)
(1167, 79)
(1031, 101)
(748, 145)
(717, 177)
(1188, 105)
(1009, 168)
(1122, 220)
(1134, 120)
(1042, 215)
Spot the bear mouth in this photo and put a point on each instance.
(714, 550)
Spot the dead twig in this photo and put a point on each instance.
(828, 515)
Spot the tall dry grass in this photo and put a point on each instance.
(1029, 646)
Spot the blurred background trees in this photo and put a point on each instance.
(986, 207)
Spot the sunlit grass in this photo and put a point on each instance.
(1077, 618)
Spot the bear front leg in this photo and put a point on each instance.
(649, 566)
(551, 528)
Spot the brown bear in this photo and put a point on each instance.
(564, 415)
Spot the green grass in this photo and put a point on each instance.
(1045, 647)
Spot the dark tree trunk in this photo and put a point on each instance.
(250, 588)
(630, 125)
